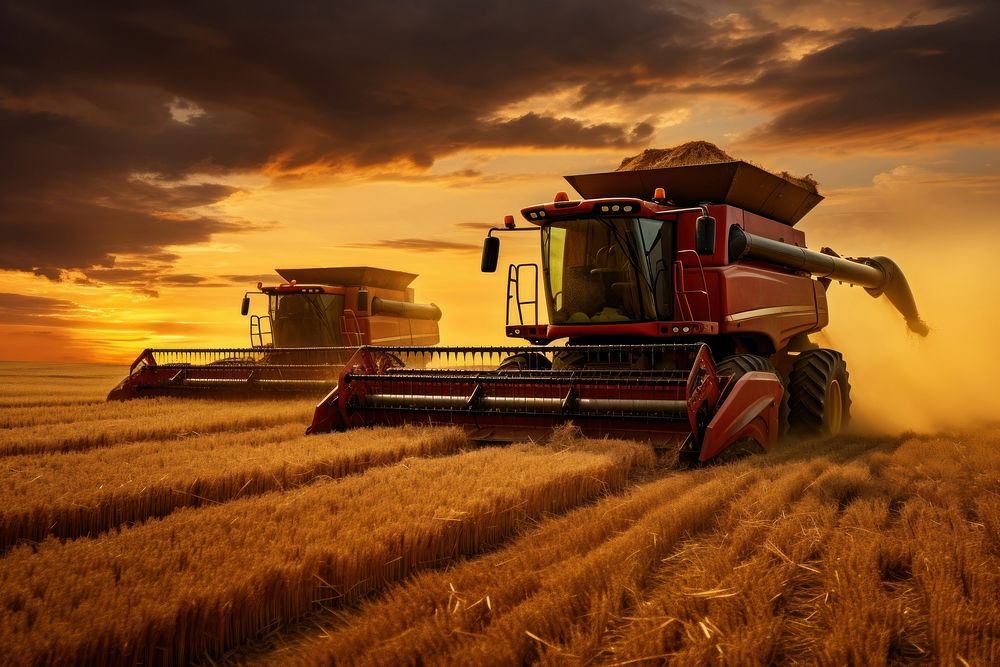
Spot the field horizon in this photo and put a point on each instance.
(170, 530)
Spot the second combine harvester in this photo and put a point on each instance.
(685, 296)
(314, 323)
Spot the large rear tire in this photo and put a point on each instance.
(740, 364)
(820, 390)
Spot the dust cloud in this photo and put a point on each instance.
(902, 382)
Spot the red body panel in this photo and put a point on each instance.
(754, 299)
(749, 410)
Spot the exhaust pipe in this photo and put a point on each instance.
(878, 275)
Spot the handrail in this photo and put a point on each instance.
(351, 328)
(682, 293)
(514, 292)
(255, 323)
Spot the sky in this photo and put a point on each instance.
(161, 158)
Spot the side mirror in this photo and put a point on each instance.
(362, 300)
(491, 254)
(245, 308)
(704, 235)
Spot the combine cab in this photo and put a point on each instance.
(314, 323)
(686, 323)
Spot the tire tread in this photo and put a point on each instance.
(812, 373)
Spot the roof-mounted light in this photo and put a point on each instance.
(508, 221)
(617, 207)
(561, 196)
(659, 194)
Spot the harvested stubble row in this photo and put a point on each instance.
(27, 384)
(798, 572)
(914, 566)
(205, 580)
(890, 557)
(721, 597)
(753, 494)
(577, 570)
(146, 409)
(894, 557)
(71, 495)
(178, 419)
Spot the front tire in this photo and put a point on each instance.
(820, 390)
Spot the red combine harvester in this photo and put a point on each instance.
(686, 297)
(314, 323)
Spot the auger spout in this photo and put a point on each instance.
(878, 275)
(897, 290)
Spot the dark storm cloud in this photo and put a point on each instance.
(422, 245)
(108, 109)
(148, 279)
(70, 197)
(27, 309)
(890, 86)
(92, 95)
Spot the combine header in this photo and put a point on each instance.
(314, 323)
(685, 296)
(504, 393)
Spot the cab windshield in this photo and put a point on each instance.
(306, 320)
(602, 270)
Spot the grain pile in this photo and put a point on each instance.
(697, 152)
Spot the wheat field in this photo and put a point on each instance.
(173, 531)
